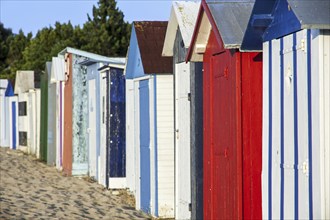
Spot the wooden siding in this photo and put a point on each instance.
(295, 175)
(130, 133)
(196, 109)
(232, 133)
(67, 135)
(182, 141)
(165, 145)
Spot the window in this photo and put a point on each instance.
(22, 108)
(22, 138)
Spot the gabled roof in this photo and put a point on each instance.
(92, 56)
(231, 18)
(150, 36)
(6, 86)
(24, 81)
(276, 18)
(9, 90)
(312, 14)
(183, 16)
(228, 19)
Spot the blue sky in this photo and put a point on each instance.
(30, 16)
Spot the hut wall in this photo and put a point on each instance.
(295, 171)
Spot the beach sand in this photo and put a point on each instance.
(30, 189)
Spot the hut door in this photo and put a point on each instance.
(223, 133)
(103, 147)
(92, 129)
(32, 123)
(182, 141)
(144, 145)
(117, 129)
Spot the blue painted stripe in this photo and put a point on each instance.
(270, 140)
(282, 128)
(310, 145)
(156, 147)
(295, 110)
(13, 105)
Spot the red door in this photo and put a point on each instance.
(222, 136)
(232, 107)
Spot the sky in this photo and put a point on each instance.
(32, 15)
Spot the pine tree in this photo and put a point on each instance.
(106, 33)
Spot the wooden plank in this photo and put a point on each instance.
(288, 163)
(277, 123)
(302, 93)
(165, 183)
(182, 141)
(265, 131)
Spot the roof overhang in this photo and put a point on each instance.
(91, 57)
(183, 16)
(200, 36)
(171, 30)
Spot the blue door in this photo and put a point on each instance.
(13, 109)
(144, 145)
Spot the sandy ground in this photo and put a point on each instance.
(30, 189)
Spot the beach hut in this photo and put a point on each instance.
(106, 122)
(51, 111)
(75, 150)
(150, 120)
(232, 104)
(28, 112)
(188, 107)
(295, 39)
(8, 116)
(4, 135)
(44, 111)
(55, 107)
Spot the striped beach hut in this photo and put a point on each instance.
(295, 39)
(232, 109)
(188, 107)
(150, 120)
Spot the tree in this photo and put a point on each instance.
(17, 45)
(5, 33)
(48, 43)
(106, 33)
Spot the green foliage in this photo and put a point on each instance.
(47, 43)
(5, 34)
(105, 33)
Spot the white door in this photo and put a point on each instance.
(182, 141)
(92, 128)
(130, 147)
(103, 130)
(32, 123)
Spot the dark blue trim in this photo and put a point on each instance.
(270, 139)
(156, 147)
(310, 144)
(9, 90)
(13, 105)
(284, 23)
(282, 128)
(295, 110)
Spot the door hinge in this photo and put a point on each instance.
(189, 96)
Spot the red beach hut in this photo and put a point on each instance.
(232, 111)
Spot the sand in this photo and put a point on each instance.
(30, 189)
